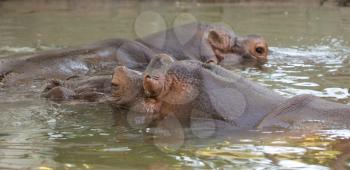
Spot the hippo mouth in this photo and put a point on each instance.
(251, 61)
(149, 93)
(117, 99)
(115, 91)
(153, 85)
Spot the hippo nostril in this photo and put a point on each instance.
(147, 76)
(211, 62)
(115, 86)
(156, 77)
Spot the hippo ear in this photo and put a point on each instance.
(219, 39)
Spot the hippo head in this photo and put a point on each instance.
(55, 90)
(231, 50)
(154, 75)
(170, 81)
(128, 93)
(127, 90)
(126, 85)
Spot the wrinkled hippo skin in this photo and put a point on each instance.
(192, 90)
(209, 43)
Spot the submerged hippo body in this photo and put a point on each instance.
(209, 43)
(97, 58)
(192, 90)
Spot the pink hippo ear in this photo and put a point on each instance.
(219, 40)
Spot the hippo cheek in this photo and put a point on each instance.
(124, 101)
(234, 59)
(231, 59)
(123, 95)
(262, 60)
(119, 94)
(121, 99)
(255, 57)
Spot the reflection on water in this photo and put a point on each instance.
(309, 54)
(321, 70)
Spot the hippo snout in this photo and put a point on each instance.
(152, 86)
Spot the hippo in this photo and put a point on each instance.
(210, 43)
(89, 89)
(191, 90)
(124, 89)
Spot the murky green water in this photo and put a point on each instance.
(310, 54)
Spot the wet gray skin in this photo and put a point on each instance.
(192, 88)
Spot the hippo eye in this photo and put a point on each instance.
(259, 50)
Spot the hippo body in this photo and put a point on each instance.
(190, 88)
(307, 111)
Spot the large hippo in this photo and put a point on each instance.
(194, 90)
(190, 89)
(210, 43)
